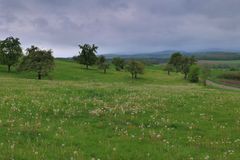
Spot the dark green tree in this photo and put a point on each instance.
(185, 66)
(102, 64)
(176, 61)
(119, 63)
(10, 52)
(135, 68)
(169, 68)
(39, 61)
(101, 59)
(194, 74)
(87, 55)
(186, 63)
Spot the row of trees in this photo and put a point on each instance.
(188, 66)
(42, 62)
(87, 56)
(36, 60)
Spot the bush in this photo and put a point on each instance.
(194, 74)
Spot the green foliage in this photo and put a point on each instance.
(182, 63)
(135, 68)
(194, 74)
(102, 63)
(176, 61)
(87, 55)
(39, 61)
(10, 51)
(119, 63)
(186, 63)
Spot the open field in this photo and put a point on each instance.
(84, 114)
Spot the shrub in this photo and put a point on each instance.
(194, 74)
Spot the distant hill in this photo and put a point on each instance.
(217, 55)
(164, 55)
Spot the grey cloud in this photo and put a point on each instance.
(122, 25)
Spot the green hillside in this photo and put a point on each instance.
(84, 114)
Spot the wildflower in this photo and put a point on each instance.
(206, 157)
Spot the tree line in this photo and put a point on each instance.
(188, 66)
(41, 61)
(35, 59)
(87, 56)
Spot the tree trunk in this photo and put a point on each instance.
(39, 76)
(135, 75)
(168, 72)
(132, 75)
(9, 68)
(87, 66)
(105, 71)
(205, 82)
(185, 76)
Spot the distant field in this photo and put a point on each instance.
(82, 114)
(219, 61)
(227, 64)
(221, 67)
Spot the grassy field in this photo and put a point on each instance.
(82, 114)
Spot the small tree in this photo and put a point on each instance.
(102, 63)
(194, 74)
(135, 68)
(168, 68)
(39, 61)
(205, 73)
(87, 55)
(186, 64)
(10, 52)
(119, 63)
(176, 60)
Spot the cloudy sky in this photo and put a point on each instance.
(122, 25)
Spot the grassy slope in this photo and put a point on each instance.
(86, 114)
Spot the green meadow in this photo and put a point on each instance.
(78, 114)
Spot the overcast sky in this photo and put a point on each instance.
(122, 25)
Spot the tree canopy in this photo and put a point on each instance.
(175, 60)
(181, 63)
(168, 68)
(119, 63)
(87, 55)
(10, 52)
(37, 60)
(135, 68)
(194, 74)
(102, 63)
